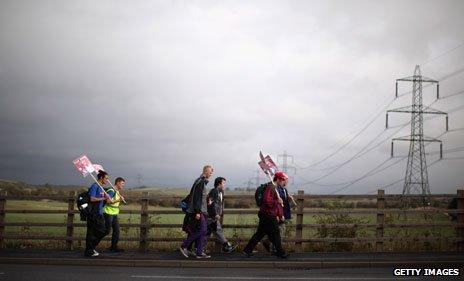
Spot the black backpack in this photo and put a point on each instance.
(83, 205)
(259, 194)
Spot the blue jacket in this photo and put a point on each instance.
(284, 195)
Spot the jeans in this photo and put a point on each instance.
(112, 223)
(219, 233)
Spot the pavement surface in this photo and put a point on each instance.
(16, 272)
(234, 260)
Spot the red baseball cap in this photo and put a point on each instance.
(281, 175)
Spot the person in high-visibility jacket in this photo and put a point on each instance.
(111, 211)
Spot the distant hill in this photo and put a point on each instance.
(22, 188)
(176, 191)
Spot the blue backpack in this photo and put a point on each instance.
(184, 203)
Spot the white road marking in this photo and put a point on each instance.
(264, 278)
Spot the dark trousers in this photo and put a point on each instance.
(215, 228)
(198, 236)
(269, 226)
(112, 224)
(96, 230)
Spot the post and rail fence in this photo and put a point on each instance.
(299, 226)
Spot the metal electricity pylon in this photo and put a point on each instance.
(139, 179)
(416, 170)
(257, 177)
(287, 165)
(249, 184)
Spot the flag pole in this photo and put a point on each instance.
(275, 189)
(98, 168)
(123, 200)
(96, 181)
(267, 171)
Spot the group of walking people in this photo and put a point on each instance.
(103, 216)
(204, 211)
(203, 215)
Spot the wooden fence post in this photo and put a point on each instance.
(2, 215)
(70, 220)
(460, 220)
(380, 219)
(143, 222)
(299, 222)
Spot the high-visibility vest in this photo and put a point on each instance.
(112, 209)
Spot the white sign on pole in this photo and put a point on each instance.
(83, 165)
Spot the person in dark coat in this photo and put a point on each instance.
(215, 210)
(195, 222)
(288, 201)
(270, 215)
(96, 228)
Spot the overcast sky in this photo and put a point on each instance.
(160, 88)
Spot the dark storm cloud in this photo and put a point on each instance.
(162, 88)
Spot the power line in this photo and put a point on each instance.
(451, 150)
(371, 173)
(454, 94)
(401, 126)
(350, 140)
(400, 180)
(355, 156)
(443, 54)
(359, 154)
(443, 78)
(416, 169)
(368, 174)
(378, 144)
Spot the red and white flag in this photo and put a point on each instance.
(267, 164)
(83, 165)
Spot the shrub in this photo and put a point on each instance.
(337, 232)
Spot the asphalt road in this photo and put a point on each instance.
(15, 272)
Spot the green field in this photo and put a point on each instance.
(229, 219)
(177, 191)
